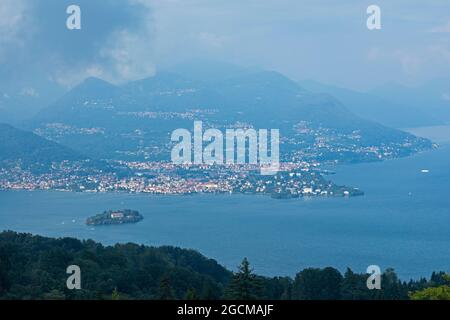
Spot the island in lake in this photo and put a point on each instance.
(115, 217)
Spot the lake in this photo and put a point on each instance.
(403, 221)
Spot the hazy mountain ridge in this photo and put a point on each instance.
(141, 114)
(377, 107)
(258, 97)
(24, 150)
(431, 98)
(19, 101)
(18, 144)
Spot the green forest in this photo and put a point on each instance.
(34, 267)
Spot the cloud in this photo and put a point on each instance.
(212, 40)
(30, 92)
(410, 63)
(11, 18)
(122, 40)
(441, 29)
(440, 51)
(375, 53)
(115, 41)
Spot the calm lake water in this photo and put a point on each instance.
(403, 221)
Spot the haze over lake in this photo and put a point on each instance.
(403, 221)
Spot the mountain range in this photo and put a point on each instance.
(391, 104)
(21, 101)
(135, 120)
(395, 105)
(432, 97)
(27, 147)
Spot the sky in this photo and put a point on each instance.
(326, 41)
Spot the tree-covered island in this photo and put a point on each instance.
(115, 217)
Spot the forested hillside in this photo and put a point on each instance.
(34, 267)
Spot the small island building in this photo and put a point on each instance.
(116, 215)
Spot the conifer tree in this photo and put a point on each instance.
(244, 285)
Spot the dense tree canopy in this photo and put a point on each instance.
(34, 267)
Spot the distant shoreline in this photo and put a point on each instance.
(437, 134)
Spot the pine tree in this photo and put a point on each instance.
(244, 285)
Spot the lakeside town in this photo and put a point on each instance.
(142, 166)
(165, 178)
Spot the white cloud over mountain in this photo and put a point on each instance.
(115, 41)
